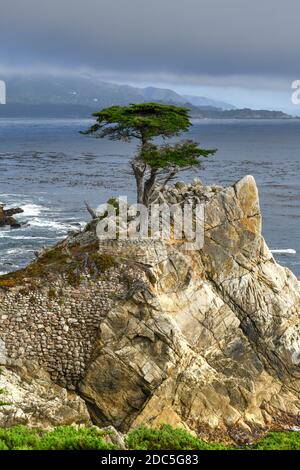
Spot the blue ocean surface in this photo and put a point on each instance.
(49, 169)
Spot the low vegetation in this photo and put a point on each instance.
(2, 392)
(61, 438)
(279, 441)
(142, 438)
(70, 262)
(166, 437)
(102, 261)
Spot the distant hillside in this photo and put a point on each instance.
(89, 91)
(161, 94)
(68, 90)
(79, 97)
(204, 102)
(246, 113)
(77, 111)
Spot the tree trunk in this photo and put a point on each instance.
(138, 171)
(148, 187)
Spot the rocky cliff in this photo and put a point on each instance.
(146, 332)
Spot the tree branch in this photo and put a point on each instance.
(90, 210)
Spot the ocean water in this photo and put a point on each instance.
(49, 169)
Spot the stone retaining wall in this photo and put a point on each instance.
(57, 325)
(59, 332)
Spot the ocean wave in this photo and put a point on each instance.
(49, 224)
(12, 194)
(32, 210)
(288, 251)
(14, 251)
(20, 237)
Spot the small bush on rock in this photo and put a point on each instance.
(167, 438)
(18, 438)
(3, 446)
(61, 438)
(103, 261)
(70, 438)
(279, 441)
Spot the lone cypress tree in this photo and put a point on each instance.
(145, 122)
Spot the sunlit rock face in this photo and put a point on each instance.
(29, 397)
(209, 339)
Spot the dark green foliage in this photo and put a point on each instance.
(141, 121)
(182, 155)
(167, 438)
(145, 122)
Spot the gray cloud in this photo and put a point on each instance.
(196, 36)
(229, 40)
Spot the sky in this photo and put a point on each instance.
(240, 51)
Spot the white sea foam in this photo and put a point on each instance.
(5, 229)
(54, 224)
(49, 224)
(288, 251)
(14, 251)
(32, 210)
(11, 234)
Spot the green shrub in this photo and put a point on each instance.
(279, 441)
(19, 438)
(61, 438)
(70, 438)
(103, 261)
(167, 438)
(142, 438)
(3, 446)
(73, 278)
